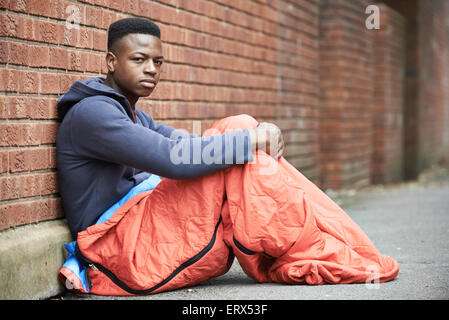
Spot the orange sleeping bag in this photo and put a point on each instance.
(279, 225)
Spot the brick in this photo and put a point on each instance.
(42, 108)
(116, 5)
(18, 161)
(100, 40)
(40, 56)
(94, 62)
(58, 58)
(4, 52)
(3, 107)
(38, 7)
(29, 82)
(17, 6)
(20, 81)
(4, 161)
(93, 16)
(13, 79)
(9, 134)
(46, 209)
(57, 9)
(27, 29)
(29, 159)
(21, 134)
(29, 108)
(49, 132)
(51, 155)
(70, 36)
(9, 188)
(4, 73)
(9, 25)
(30, 185)
(48, 32)
(65, 81)
(50, 83)
(39, 159)
(19, 214)
(49, 183)
(4, 218)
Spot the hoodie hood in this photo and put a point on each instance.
(88, 88)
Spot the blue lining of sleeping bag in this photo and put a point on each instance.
(72, 263)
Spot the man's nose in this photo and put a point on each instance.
(150, 67)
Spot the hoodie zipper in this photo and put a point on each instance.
(125, 287)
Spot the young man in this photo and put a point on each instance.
(105, 145)
(134, 238)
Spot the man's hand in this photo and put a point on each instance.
(267, 137)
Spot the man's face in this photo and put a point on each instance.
(137, 65)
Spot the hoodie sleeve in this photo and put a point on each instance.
(103, 131)
(160, 128)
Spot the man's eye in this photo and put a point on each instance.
(158, 62)
(138, 59)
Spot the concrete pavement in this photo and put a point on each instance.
(409, 222)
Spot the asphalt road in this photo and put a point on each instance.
(409, 223)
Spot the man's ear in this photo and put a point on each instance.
(111, 60)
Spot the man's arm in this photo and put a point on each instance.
(163, 129)
(106, 133)
(266, 136)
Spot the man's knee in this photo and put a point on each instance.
(237, 122)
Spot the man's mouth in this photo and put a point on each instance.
(148, 83)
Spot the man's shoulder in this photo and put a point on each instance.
(97, 105)
(99, 99)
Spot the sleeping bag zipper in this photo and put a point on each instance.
(247, 251)
(125, 287)
(242, 248)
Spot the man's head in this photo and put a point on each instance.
(134, 57)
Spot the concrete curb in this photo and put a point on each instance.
(30, 258)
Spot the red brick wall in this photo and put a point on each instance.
(433, 82)
(390, 59)
(426, 109)
(310, 66)
(297, 77)
(223, 57)
(347, 87)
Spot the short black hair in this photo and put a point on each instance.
(123, 27)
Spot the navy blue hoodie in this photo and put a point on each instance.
(103, 150)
